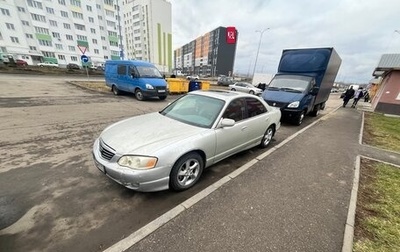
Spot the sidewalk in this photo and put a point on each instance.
(295, 199)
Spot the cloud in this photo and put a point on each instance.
(360, 31)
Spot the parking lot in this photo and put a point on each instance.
(52, 196)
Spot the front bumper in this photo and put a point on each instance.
(155, 92)
(290, 114)
(155, 179)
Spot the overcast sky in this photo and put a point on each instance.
(360, 30)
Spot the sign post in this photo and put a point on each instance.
(85, 59)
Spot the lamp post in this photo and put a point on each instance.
(258, 50)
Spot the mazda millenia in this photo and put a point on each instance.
(170, 148)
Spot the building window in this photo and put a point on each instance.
(92, 30)
(98, 6)
(109, 2)
(103, 38)
(32, 48)
(10, 26)
(81, 37)
(59, 46)
(64, 14)
(69, 37)
(80, 27)
(75, 2)
(62, 2)
(112, 43)
(94, 41)
(91, 20)
(21, 9)
(29, 35)
(48, 54)
(56, 35)
(45, 43)
(42, 30)
(101, 28)
(53, 23)
(35, 4)
(105, 48)
(74, 58)
(14, 40)
(5, 12)
(67, 26)
(88, 8)
(77, 15)
(37, 17)
(96, 51)
(61, 57)
(50, 10)
(71, 48)
(100, 17)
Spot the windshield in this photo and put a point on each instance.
(290, 83)
(197, 110)
(148, 72)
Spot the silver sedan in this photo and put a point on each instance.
(170, 148)
(245, 87)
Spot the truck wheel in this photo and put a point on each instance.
(139, 95)
(186, 172)
(115, 90)
(315, 111)
(300, 118)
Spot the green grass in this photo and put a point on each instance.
(378, 213)
(382, 131)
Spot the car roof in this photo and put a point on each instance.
(129, 62)
(225, 95)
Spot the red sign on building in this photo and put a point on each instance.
(231, 35)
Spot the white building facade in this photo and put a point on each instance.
(62, 31)
(148, 32)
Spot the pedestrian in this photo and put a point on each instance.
(357, 96)
(348, 95)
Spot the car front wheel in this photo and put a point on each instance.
(251, 92)
(186, 172)
(267, 138)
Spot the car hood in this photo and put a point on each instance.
(281, 96)
(145, 134)
(156, 82)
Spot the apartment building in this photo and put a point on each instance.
(61, 31)
(212, 54)
(148, 32)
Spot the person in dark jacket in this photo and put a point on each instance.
(348, 95)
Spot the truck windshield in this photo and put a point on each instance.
(290, 83)
(148, 72)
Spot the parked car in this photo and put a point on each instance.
(48, 64)
(245, 87)
(20, 62)
(170, 148)
(225, 81)
(73, 66)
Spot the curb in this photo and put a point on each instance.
(141, 233)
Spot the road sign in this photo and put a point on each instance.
(84, 58)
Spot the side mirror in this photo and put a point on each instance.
(314, 90)
(226, 122)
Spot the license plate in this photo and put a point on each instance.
(161, 91)
(100, 166)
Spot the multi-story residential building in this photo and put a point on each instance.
(212, 54)
(148, 32)
(62, 30)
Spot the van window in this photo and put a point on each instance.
(121, 69)
(148, 72)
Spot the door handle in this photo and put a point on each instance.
(244, 128)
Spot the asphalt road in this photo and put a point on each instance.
(52, 197)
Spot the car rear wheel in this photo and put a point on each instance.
(139, 95)
(115, 90)
(268, 135)
(186, 172)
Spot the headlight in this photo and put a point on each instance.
(294, 104)
(149, 86)
(138, 162)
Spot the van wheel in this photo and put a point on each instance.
(315, 111)
(162, 97)
(115, 90)
(139, 95)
